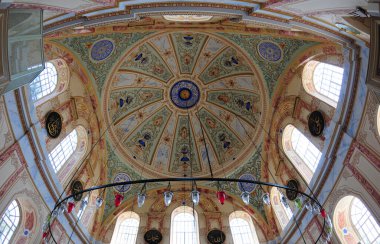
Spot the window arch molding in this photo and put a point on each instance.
(378, 120)
(52, 81)
(353, 221)
(301, 152)
(126, 228)
(282, 214)
(242, 228)
(323, 80)
(184, 225)
(69, 151)
(10, 221)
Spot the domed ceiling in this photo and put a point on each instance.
(177, 94)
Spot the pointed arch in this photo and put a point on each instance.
(126, 228)
(184, 226)
(323, 81)
(301, 151)
(354, 223)
(9, 222)
(242, 228)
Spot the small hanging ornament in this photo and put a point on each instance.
(308, 205)
(118, 199)
(70, 205)
(245, 197)
(195, 197)
(44, 235)
(221, 195)
(98, 201)
(316, 209)
(140, 199)
(168, 196)
(323, 213)
(266, 198)
(298, 203)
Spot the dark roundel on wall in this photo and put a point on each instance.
(76, 187)
(216, 236)
(292, 195)
(316, 123)
(53, 124)
(153, 236)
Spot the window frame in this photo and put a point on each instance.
(129, 215)
(173, 226)
(19, 220)
(58, 153)
(246, 218)
(50, 82)
(322, 83)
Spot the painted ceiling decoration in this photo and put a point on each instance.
(184, 97)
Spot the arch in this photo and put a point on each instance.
(354, 223)
(242, 228)
(126, 228)
(9, 222)
(323, 81)
(184, 226)
(69, 151)
(50, 82)
(283, 212)
(301, 151)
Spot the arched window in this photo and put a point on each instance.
(323, 81)
(354, 223)
(9, 222)
(281, 210)
(184, 226)
(242, 229)
(62, 152)
(378, 120)
(126, 229)
(303, 154)
(45, 83)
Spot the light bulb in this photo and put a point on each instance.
(195, 197)
(168, 196)
(99, 201)
(266, 198)
(140, 199)
(245, 197)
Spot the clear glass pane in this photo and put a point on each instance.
(45, 83)
(9, 222)
(62, 152)
(241, 232)
(327, 80)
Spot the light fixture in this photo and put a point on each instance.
(221, 195)
(308, 205)
(70, 205)
(140, 199)
(245, 197)
(168, 196)
(316, 209)
(323, 213)
(98, 201)
(83, 204)
(195, 197)
(266, 198)
(298, 203)
(118, 199)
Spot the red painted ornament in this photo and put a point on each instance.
(118, 199)
(44, 235)
(221, 195)
(70, 207)
(323, 213)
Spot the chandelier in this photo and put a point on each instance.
(301, 199)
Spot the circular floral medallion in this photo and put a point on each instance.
(120, 177)
(184, 94)
(248, 187)
(101, 50)
(270, 51)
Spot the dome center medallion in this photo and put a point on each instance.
(184, 94)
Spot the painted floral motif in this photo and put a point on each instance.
(143, 141)
(225, 143)
(126, 101)
(227, 63)
(147, 61)
(184, 149)
(187, 47)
